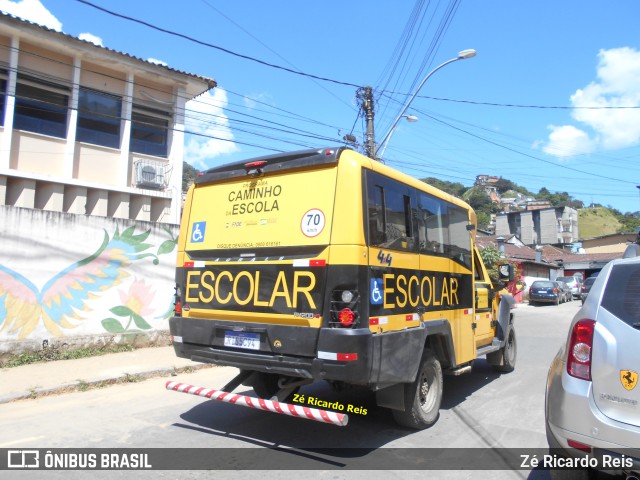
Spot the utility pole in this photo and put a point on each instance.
(365, 97)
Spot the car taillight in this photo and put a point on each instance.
(555, 290)
(579, 349)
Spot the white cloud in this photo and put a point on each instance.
(33, 11)
(567, 140)
(205, 116)
(617, 85)
(91, 38)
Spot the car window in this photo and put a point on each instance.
(589, 281)
(566, 279)
(542, 285)
(622, 293)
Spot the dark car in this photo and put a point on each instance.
(566, 291)
(574, 284)
(586, 287)
(545, 291)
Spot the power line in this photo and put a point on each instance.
(514, 105)
(525, 154)
(210, 45)
(208, 4)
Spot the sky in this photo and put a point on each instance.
(552, 98)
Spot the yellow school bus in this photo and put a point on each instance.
(327, 265)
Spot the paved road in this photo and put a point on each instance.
(480, 409)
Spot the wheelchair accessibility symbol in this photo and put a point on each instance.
(376, 291)
(197, 232)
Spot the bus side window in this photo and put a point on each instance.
(377, 217)
(431, 228)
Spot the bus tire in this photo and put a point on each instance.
(422, 397)
(265, 384)
(504, 360)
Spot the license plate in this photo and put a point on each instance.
(242, 340)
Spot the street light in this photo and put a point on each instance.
(410, 119)
(464, 54)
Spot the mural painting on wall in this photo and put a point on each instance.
(66, 300)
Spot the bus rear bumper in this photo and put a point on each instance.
(335, 354)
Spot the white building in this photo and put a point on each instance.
(89, 130)
(547, 226)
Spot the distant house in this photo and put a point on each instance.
(585, 264)
(613, 243)
(547, 226)
(89, 130)
(487, 183)
(530, 262)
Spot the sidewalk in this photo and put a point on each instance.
(29, 381)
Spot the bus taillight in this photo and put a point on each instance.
(346, 317)
(177, 303)
(345, 306)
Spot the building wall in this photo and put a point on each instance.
(78, 280)
(35, 153)
(33, 160)
(528, 234)
(549, 227)
(609, 243)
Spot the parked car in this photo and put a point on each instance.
(545, 291)
(586, 286)
(592, 396)
(567, 294)
(574, 284)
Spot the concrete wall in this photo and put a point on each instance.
(75, 280)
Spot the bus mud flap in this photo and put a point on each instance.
(323, 416)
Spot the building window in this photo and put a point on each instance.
(99, 118)
(41, 106)
(149, 131)
(3, 93)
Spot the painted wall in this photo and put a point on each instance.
(77, 280)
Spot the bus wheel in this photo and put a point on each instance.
(422, 398)
(265, 384)
(504, 360)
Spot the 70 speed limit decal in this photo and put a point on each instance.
(312, 223)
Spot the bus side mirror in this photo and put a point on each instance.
(506, 272)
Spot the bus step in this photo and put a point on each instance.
(459, 371)
(324, 416)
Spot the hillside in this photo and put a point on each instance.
(598, 221)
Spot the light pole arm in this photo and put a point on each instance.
(461, 56)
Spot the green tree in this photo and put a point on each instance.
(491, 258)
(454, 188)
(189, 175)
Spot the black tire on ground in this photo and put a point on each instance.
(265, 384)
(423, 397)
(504, 360)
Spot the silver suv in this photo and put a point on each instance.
(592, 403)
(573, 283)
